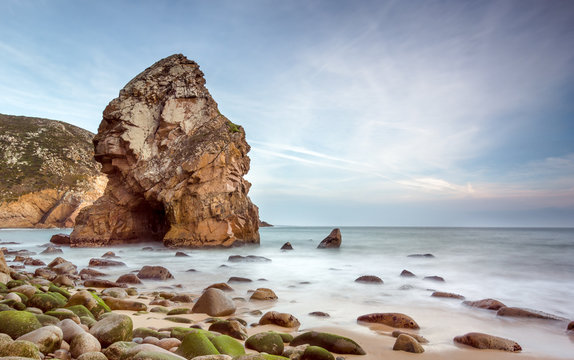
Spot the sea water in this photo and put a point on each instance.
(530, 268)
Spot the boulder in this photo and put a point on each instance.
(129, 279)
(111, 328)
(83, 297)
(181, 254)
(220, 286)
(448, 295)
(95, 262)
(90, 273)
(214, 302)
(489, 304)
(60, 239)
(268, 342)
(175, 166)
(526, 313)
(124, 304)
(369, 279)
(238, 279)
(485, 341)
(109, 254)
(118, 293)
(154, 273)
(47, 301)
(64, 280)
(65, 268)
(34, 262)
(52, 250)
(263, 294)
(396, 320)
(48, 338)
(407, 343)
(434, 278)
(232, 328)
(331, 342)
(84, 343)
(69, 329)
(196, 344)
(287, 246)
(21, 349)
(319, 314)
(333, 240)
(95, 355)
(183, 298)
(279, 319)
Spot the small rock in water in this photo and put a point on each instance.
(220, 286)
(105, 263)
(570, 326)
(191, 270)
(434, 278)
(319, 314)
(485, 341)
(109, 254)
(421, 255)
(238, 279)
(128, 279)
(418, 338)
(396, 320)
(86, 273)
(526, 313)
(100, 283)
(333, 240)
(263, 294)
(154, 273)
(287, 246)
(248, 258)
(441, 294)
(369, 279)
(279, 319)
(60, 239)
(489, 304)
(406, 273)
(181, 254)
(408, 343)
(52, 250)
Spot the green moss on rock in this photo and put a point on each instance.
(330, 342)
(196, 344)
(47, 301)
(181, 332)
(17, 323)
(268, 342)
(227, 345)
(59, 290)
(47, 319)
(80, 310)
(316, 353)
(21, 348)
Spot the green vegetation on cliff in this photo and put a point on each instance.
(37, 154)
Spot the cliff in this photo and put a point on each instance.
(47, 172)
(175, 166)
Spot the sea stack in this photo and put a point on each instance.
(175, 166)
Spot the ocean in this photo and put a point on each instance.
(522, 267)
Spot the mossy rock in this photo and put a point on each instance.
(62, 315)
(81, 310)
(14, 304)
(316, 353)
(143, 332)
(15, 283)
(178, 319)
(268, 342)
(119, 350)
(3, 286)
(261, 357)
(21, 348)
(331, 342)
(155, 355)
(47, 319)
(17, 323)
(159, 309)
(179, 311)
(47, 301)
(112, 328)
(22, 296)
(287, 338)
(5, 339)
(227, 345)
(59, 290)
(181, 332)
(101, 308)
(196, 344)
(4, 307)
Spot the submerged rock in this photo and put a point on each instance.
(248, 258)
(434, 278)
(333, 240)
(175, 166)
(442, 294)
(287, 246)
(369, 279)
(526, 313)
(154, 273)
(489, 304)
(485, 341)
(406, 273)
(263, 294)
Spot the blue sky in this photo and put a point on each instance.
(399, 113)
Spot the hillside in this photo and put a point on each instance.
(47, 172)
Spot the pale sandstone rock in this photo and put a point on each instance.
(175, 166)
(486, 341)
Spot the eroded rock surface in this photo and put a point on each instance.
(175, 166)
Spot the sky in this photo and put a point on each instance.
(373, 113)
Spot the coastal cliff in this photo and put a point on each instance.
(47, 172)
(175, 166)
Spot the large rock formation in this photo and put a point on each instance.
(175, 166)
(47, 172)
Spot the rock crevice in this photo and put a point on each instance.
(175, 166)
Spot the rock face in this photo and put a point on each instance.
(48, 172)
(175, 166)
(332, 241)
